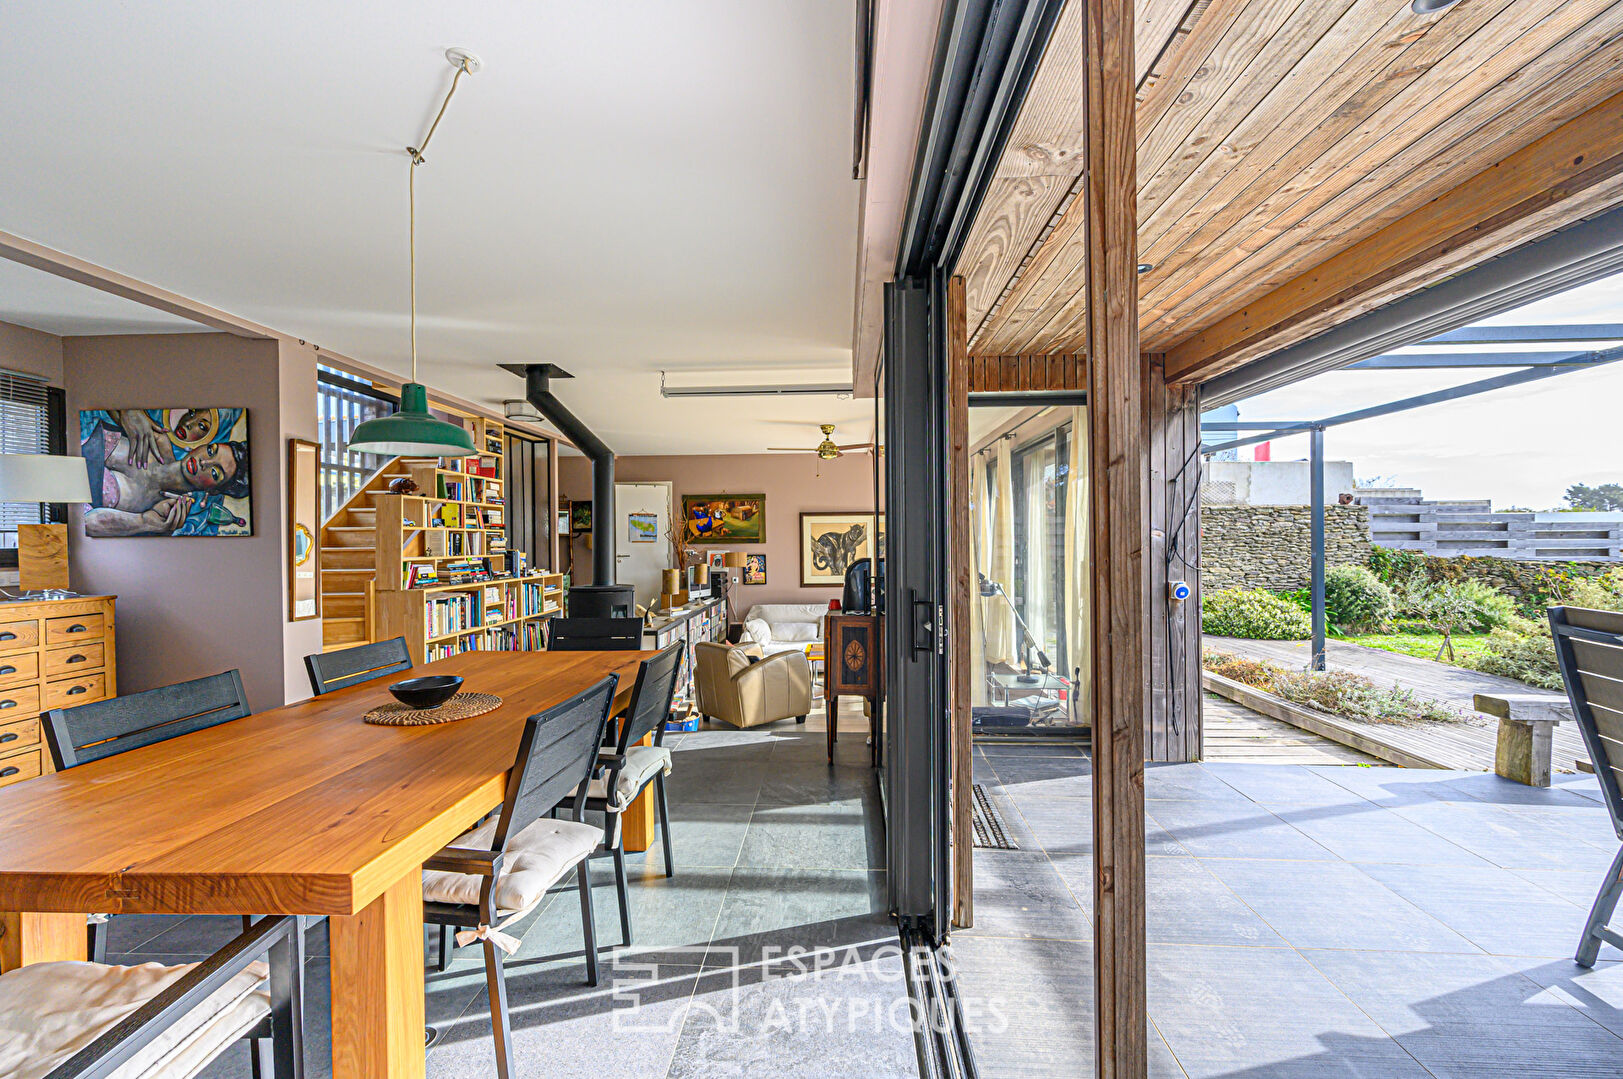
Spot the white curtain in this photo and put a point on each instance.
(1000, 645)
(1078, 579)
(977, 555)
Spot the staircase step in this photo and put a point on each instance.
(343, 604)
(343, 630)
(350, 536)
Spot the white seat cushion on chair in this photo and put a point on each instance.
(642, 763)
(49, 1011)
(536, 858)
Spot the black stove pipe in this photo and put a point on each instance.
(538, 391)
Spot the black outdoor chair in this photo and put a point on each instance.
(1589, 649)
(220, 998)
(594, 634)
(89, 732)
(631, 767)
(347, 667)
(502, 868)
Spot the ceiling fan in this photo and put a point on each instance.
(826, 450)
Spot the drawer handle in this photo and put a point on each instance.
(8, 636)
(78, 689)
(13, 770)
(8, 670)
(9, 736)
(75, 658)
(77, 627)
(8, 703)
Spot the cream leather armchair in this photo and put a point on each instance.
(745, 694)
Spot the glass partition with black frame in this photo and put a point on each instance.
(1029, 637)
(530, 523)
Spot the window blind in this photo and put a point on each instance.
(25, 427)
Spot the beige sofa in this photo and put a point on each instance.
(734, 690)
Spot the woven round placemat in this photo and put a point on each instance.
(461, 706)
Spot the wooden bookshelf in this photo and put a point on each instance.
(454, 527)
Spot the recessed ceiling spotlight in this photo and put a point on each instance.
(1146, 267)
(1427, 7)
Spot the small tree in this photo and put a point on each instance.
(1442, 605)
(1605, 496)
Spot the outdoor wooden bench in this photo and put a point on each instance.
(1526, 726)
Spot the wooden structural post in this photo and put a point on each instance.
(962, 578)
(1119, 475)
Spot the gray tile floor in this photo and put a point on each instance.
(1314, 921)
(775, 851)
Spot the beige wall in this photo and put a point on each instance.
(793, 483)
(30, 352)
(189, 607)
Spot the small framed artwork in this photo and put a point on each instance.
(563, 522)
(717, 560)
(755, 569)
(304, 524)
(830, 542)
(731, 519)
(580, 517)
(642, 527)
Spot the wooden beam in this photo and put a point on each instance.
(1119, 476)
(963, 575)
(1471, 222)
(991, 374)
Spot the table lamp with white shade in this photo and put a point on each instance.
(42, 550)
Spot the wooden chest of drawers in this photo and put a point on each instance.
(54, 653)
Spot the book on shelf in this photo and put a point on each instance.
(421, 575)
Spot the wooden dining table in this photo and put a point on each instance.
(303, 809)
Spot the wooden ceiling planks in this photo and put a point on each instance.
(1039, 172)
(1273, 135)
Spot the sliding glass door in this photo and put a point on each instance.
(1030, 668)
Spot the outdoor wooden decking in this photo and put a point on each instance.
(1233, 732)
(1467, 745)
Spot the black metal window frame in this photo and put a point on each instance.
(50, 436)
(342, 403)
(527, 470)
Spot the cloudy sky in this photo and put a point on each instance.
(1519, 446)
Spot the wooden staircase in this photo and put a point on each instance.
(349, 560)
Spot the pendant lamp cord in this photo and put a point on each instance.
(417, 158)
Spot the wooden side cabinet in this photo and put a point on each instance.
(54, 653)
(853, 666)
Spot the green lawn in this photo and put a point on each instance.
(1425, 645)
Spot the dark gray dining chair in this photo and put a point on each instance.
(594, 634)
(1589, 651)
(222, 1000)
(631, 767)
(502, 868)
(89, 732)
(348, 666)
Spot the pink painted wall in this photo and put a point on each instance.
(793, 483)
(30, 352)
(189, 607)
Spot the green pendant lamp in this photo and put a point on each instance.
(413, 431)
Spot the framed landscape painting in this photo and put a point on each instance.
(730, 519)
(830, 542)
(167, 472)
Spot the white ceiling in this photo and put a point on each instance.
(51, 304)
(624, 188)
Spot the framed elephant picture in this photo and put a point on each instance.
(830, 542)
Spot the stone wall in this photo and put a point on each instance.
(1271, 546)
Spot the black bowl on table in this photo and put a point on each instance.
(427, 692)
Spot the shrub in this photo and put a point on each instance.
(1526, 657)
(1603, 593)
(1338, 692)
(1355, 598)
(1256, 614)
(1252, 672)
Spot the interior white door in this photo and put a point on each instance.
(642, 518)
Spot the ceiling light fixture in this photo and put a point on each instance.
(413, 431)
(1428, 7)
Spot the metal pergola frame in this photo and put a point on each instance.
(1534, 367)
